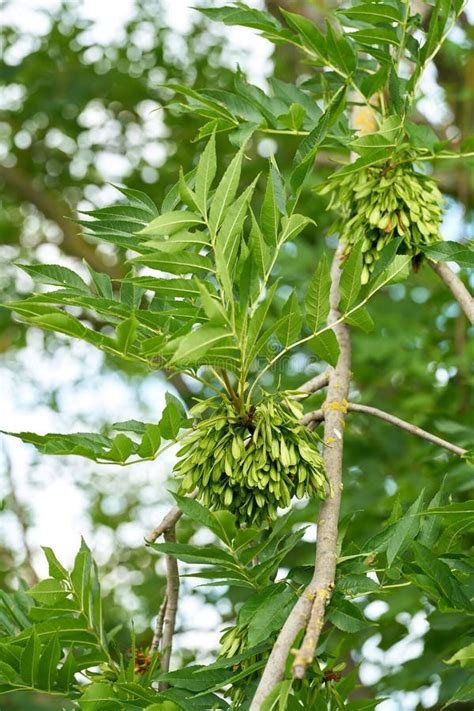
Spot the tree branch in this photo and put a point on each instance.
(73, 242)
(170, 520)
(327, 531)
(311, 386)
(171, 608)
(311, 604)
(159, 626)
(413, 429)
(313, 418)
(454, 283)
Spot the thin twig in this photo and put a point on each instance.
(170, 520)
(311, 386)
(454, 283)
(323, 576)
(172, 593)
(312, 418)
(413, 429)
(159, 626)
(327, 531)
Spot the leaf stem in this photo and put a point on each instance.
(329, 327)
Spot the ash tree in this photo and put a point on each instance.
(203, 297)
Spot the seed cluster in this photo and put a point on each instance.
(254, 464)
(380, 204)
(235, 641)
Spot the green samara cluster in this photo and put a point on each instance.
(377, 205)
(252, 464)
(234, 641)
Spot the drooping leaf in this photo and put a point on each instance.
(346, 616)
(172, 418)
(450, 252)
(126, 333)
(326, 347)
(362, 319)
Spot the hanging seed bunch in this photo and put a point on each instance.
(234, 641)
(253, 464)
(380, 204)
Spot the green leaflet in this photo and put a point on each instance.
(442, 578)
(311, 36)
(319, 132)
(326, 347)
(184, 262)
(225, 192)
(205, 174)
(30, 660)
(179, 241)
(317, 296)
(380, 35)
(168, 287)
(56, 275)
(48, 663)
(346, 616)
(293, 225)
(350, 283)
(259, 249)
(192, 348)
(126, 333)
(340, 51)
(464, 656)
(171, 222)
(290, 330)
(173, 417)
(228, 237)
(273, 205)
(372, 13)
(100, 696)
(451, 251)
(49, 591)
(212, 306)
